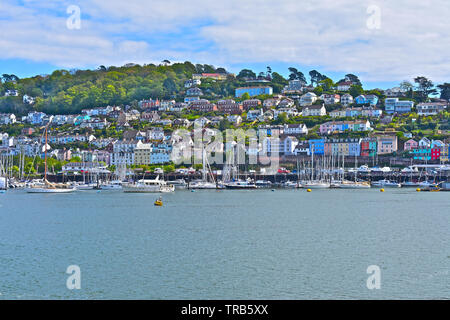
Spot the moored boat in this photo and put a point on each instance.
(386, 184)
(148, 186)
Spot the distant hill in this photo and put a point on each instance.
(68, 92)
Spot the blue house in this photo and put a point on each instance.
(253, 91)
(317, 146)
(367, 99)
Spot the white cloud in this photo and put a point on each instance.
(324, 34)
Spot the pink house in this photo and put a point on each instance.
(410, 144)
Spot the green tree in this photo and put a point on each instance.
(356, 90)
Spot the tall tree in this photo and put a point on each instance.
(296, 75)
(445, 91)
(245, 74)
(354, 79)
(425, 87)
(316, 77)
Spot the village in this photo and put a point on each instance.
(292, 125)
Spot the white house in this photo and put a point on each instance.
(253, 115)
(344, 85)
(430, 108)
(27, 99)
(307, 99)
(235, 119)
(424, 142)
(295, 129)
(288, 145)
(331, 98)
(314, 110)
(346, 99)
(7, 118)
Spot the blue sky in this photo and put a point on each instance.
(383, 42)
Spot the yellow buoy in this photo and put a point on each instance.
(308, 190)
(418, 189)
(381, 190)
(158, 202)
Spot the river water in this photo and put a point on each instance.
(254, 244)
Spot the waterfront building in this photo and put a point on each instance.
(123, 152)
(386, 144)
(368, 147)
(410, 144)
(142, 153)
(317, 146)
(346, 147)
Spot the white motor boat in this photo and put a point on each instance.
(86, 186)
(426, 184)
(363, 169)
(179, 184)
(240, 184)
(316, 185)
(291, 184)
(353, 185)
(112, 185)
(202, 185)
(263, 183)
(149, 186)
(410, 184)
(386, 184)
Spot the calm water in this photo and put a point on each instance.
(259, 244)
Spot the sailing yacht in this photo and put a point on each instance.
(206, 172)
(47, 186)
(345, 184)
(315, 184)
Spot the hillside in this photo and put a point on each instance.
(67, 92)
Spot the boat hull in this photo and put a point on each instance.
(48, 190)
(317, 186)
(240, 187)
(148, 189)
(354, 186)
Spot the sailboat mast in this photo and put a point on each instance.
(45, 157)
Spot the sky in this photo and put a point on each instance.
(383, 42)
